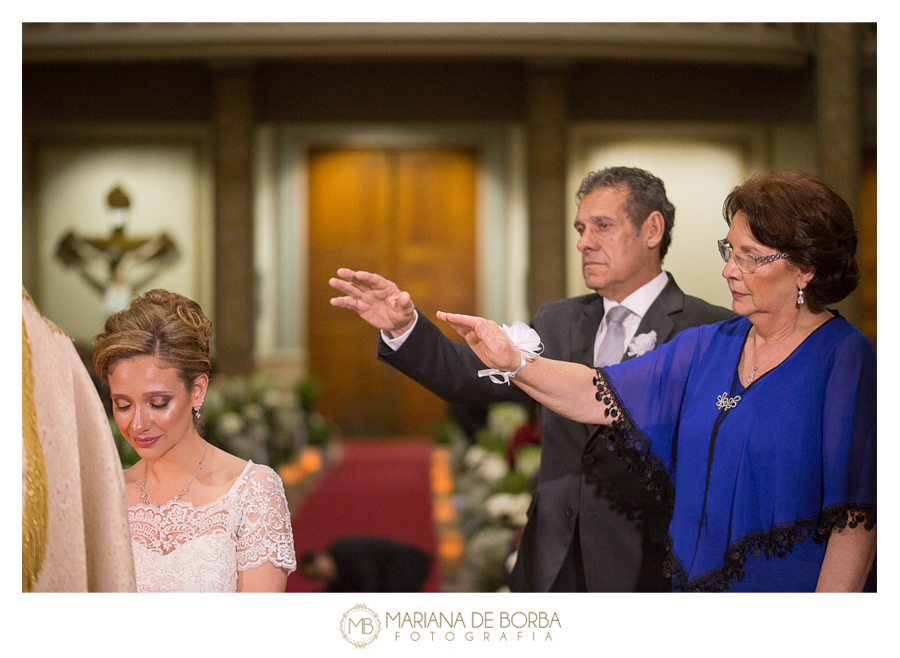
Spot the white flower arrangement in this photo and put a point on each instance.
(642, 343)
(492, 495)
(485, 557)
(492, 468)
(254, 418)
(528, 460)
(278, 398)
(474, 456)
(505, 418)
(231, 423)
(512, 508)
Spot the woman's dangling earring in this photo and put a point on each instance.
(197, 412)
(800, 296)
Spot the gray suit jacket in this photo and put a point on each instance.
(579, 482)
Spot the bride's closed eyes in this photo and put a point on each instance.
(158, 405)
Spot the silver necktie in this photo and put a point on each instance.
(612, 349)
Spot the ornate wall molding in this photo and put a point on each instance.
(780, 44)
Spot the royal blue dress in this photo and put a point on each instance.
(759, 476)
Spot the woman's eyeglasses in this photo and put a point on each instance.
(745, 262)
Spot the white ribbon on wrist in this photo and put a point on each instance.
(523, 338)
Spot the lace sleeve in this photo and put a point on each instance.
(631, 445)
(265, 533)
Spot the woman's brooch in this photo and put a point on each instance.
(725, 402)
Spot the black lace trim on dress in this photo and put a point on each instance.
(777, 542)
(612, 481)
(631, 445)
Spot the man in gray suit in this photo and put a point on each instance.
(592, 525)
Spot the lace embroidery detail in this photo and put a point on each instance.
(266, 534)
(633, 447)
(777, 542)
(174, 524)
(614, 482)
(180, 547)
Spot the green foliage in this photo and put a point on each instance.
(490, 441)
(528, 460)
(446, 434)
(318, 430)
(308, 391)
(514, 482)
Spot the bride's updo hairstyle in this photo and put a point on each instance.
(160, 324)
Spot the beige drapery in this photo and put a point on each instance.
(75, 535)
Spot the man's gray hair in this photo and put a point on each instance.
(646, 194)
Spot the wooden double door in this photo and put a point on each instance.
(408, 215)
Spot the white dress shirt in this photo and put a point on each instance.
(637, 302)
(395, 343)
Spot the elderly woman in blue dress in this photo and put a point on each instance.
(761, 429)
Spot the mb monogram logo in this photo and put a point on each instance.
(360, 626)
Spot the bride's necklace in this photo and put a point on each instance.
(771, 354)
(177, 496)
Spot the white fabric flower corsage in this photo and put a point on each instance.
(641, 344)
(526, 340)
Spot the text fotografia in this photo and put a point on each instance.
(479, 626)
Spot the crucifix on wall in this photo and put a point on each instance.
(117, 266)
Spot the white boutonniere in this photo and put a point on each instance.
(641, 344)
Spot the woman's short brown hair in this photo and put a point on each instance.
(161, 324)
(803, 217)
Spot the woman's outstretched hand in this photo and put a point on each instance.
(567, 388)
(486, 339)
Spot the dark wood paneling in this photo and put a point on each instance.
(116, 92)
(390, 91)
(425, 90)
(235, 313)
(629, 91)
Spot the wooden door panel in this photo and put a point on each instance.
(435, 253)
(349, 198)
(349, 202)
(410, 216)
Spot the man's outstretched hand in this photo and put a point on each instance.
(377, 300)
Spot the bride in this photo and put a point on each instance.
(201, 520)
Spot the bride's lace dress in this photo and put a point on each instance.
(182, 548)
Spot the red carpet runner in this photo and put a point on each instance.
(378, 488)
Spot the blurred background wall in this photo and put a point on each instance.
(444, 156)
